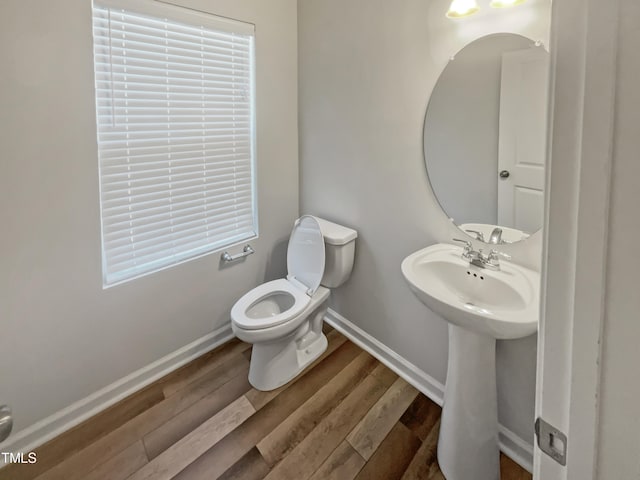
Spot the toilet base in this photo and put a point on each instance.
(275, 364)
(278, 362)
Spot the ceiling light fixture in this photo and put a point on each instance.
(464, 8)
(505, 3)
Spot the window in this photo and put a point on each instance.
(175, 118)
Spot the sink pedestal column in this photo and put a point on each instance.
(468, 444)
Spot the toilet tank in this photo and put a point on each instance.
(339, 248)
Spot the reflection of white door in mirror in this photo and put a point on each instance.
(522, 139)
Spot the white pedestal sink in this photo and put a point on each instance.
(481, 306)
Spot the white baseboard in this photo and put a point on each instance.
(405, 369)
(519, 450)
(512, 445)
(32, 437)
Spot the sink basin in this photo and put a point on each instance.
(502, 304)
(481, 306)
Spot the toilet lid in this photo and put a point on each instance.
(305, 254)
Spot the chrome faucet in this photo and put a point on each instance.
(490, 261)
(496, 237)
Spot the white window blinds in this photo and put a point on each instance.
(175, 115)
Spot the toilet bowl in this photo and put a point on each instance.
(283, 318)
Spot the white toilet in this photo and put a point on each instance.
(283, 318)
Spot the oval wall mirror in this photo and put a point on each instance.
(485, 136)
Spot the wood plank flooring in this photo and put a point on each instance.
(347, 417)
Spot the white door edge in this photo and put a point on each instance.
(584, 45)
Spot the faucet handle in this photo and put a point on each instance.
(479, 235)
(468, 246)
(495, 254)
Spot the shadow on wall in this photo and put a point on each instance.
(515, 376)
(277, 261)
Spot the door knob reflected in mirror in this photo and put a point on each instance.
(6, 422)
(504, 174)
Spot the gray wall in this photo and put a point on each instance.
(367, 68)
(63, 336)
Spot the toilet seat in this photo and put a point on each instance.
(305, 266)
(263, 292)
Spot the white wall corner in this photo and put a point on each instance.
(50, 427)
(511, 444)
